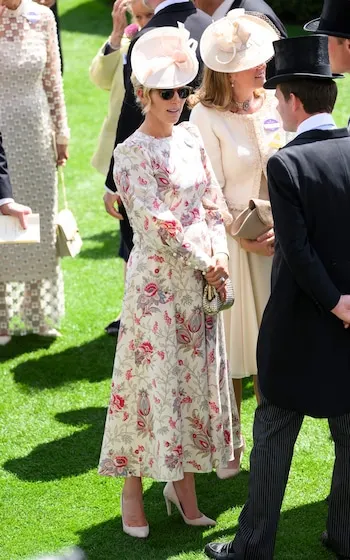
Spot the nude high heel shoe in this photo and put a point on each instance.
(233, 467)
(170, 497)
(138, 532)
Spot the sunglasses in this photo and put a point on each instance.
(168, 94)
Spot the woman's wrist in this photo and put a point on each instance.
(115, 41)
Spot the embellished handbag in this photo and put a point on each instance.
(68, 240)
(212, 303)
(255, 220)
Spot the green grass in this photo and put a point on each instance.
(54, 396)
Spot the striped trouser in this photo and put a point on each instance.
(275, 433)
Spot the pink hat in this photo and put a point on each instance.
(165, 58)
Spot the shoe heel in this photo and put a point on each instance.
(168, 505)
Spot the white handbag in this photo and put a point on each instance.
(68, 240)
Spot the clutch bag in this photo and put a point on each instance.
(68, 240)
(255, 220)
(212, 303)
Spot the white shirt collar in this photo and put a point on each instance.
(322, 121)
(222, 10)
(167, 3)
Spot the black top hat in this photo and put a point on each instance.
(334, 20)
(301, 57)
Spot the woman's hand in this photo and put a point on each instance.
(263, 245)
(62, 154)
(218, 273)
(119, 22)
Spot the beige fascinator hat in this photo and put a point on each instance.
(165, 58)
(237, 42)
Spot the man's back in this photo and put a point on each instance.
(301, 342)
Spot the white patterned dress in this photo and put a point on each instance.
(32, 109)
(171, 409)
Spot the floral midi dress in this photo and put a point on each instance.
(171, 409)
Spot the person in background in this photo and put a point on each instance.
(303, 348)
(106, 72)
(241, 130)
(33, 118)
(335, 23)
(8, 207)
(172, 411)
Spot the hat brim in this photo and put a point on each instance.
(314, 26)
(276, 80)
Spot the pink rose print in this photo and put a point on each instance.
(142, 181)
(120, 461)
(117, 402)
(227, 437)
(214, 407)
(151, 289)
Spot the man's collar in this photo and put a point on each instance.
(167, 3)
(323, 121)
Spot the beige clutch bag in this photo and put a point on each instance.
(253, 221)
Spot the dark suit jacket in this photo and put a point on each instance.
(5, 185)
(303, 349)
(131, 117)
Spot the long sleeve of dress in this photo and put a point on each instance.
(217, 214)
(52, 82)
(199, 117)
(148, 214)
(104, 66)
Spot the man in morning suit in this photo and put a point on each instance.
(335, 23)
(166, 13)
(304, 340)
(8, 206)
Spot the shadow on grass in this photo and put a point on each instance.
(24, 344)
(92, 17)
(92, 361)
(107, 245)
(298, 537)
(69, 456)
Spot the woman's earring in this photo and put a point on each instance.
(232, 84)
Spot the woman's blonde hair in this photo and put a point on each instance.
(145, 104)
(216, 91)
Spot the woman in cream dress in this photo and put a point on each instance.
(241, 129)
(33, 117)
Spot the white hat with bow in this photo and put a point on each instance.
(165, 58)
(238, 42)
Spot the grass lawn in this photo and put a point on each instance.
(54, 395)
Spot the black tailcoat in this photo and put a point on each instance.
(303, 349)
(5, 185)
(131, 117)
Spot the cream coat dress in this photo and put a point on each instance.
(106, 72)
(239, 146)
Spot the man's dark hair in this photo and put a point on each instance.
(317, 96)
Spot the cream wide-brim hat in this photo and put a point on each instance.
(239, 41)
(165, 58)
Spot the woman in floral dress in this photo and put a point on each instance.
(171, 412)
